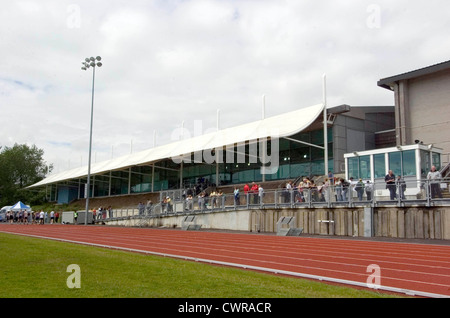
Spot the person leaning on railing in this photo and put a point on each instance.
(390, 184)
(434, 178)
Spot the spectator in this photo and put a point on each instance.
(325, 190)
(287, 192)
(306, 189)
(331, 177)
(100, 213)
(339, 190)
(110, 211)
(169, 204)
(246, 192)
(260, 194)
(390, 184)
(345, 188)
(201, 200)
(359, 188)
(149, 207)
(141, 208)
(401, 186)
(237, 199)
(434, 177)
(189, 202)
(254, 190)
(25, 217)
(213, 197)
(221, 199)
(369, 190)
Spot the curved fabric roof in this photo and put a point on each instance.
(283, 125)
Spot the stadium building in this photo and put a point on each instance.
(281, 147)
(363, 142)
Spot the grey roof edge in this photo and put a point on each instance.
(388, 81)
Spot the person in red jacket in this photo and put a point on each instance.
(254, 190)
(246, 190)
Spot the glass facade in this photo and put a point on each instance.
(359, 167)
(409, 163)
(379, 164)
(402, 162)
(294, 160)
(395, 162)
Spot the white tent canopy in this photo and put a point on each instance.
(20, 206)
(283, 125)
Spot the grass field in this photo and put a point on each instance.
(34, 267)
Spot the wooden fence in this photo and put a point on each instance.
(395, 222)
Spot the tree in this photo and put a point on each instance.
(20, 166)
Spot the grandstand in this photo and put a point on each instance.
(269, 152)
(235, 155)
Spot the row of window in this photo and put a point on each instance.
(400, 162)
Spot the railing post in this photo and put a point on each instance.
(428, 192)
(291, 198)
(350, 196)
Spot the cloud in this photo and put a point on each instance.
(165, 62)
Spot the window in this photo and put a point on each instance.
(359, 167)
(436, 160)
(353, 167)
(395, 162)
(364, 167)
(379, 165)
(409, 163)
(424, 163)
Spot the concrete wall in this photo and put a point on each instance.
(394, 222)
(423, 104)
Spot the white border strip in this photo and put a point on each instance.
(257, 268)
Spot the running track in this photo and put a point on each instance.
(415, 269)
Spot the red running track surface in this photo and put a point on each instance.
(419, 269)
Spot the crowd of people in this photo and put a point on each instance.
(304, 190)
(102, 213)
(41, 217)
(31, 217)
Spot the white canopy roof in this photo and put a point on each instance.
(283, 125)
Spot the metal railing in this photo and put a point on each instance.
(412, 192)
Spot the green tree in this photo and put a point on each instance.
(21, 166)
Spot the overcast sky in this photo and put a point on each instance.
(165, 62)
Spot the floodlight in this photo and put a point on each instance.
(88, 62)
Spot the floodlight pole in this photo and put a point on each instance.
(90, 62)
(325, 124)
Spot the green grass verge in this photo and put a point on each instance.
(32, 267)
